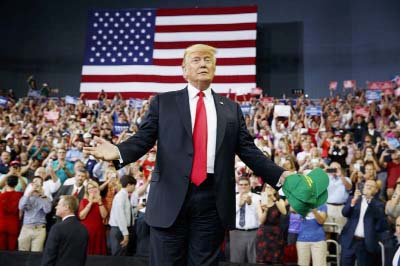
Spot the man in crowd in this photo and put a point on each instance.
(121, 217)
(191, 200)
(243, 238)
(366, 218)
(338, 193)
(50, 186)
(63, 168)
(35, 205)
(68, 239)
(77, 189)
(4, 161)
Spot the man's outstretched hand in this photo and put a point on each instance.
(103, 150)
(283, 177)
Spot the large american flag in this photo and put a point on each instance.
(138, 52)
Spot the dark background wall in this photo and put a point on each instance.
(301, 44)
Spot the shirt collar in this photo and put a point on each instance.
(193, 92)
(71, 215)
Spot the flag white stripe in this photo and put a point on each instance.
(221, 53)
(205, 36)
(162, 70)
(157, 87)
(206, 19)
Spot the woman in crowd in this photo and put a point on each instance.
(9, 214)
(270, 238)
(92, 212)
(311, 241)
(109, 188)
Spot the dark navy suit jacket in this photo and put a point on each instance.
(66, 244)
(374, 223)
(168, 122)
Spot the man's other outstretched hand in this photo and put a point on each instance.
(103, 150)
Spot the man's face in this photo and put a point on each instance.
(199, 68)
(398, 226)
(130, 188)
(61, 153)
(37, 184)
(79, 178)
(370, 188)
(5, 157)
(244, 186)
(61, 208)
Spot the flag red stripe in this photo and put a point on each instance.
(220, 61)
(162, 79)
(217, 44)
(210, 27)
(206, 11)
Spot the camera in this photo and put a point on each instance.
(331, 170)
(390, 151)
(387, 158)
(360, 186)
(144, 202)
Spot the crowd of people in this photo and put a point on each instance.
(42, 159)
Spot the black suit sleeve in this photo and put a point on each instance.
(253, 157)
(52, 246)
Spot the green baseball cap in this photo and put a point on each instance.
(306, 192)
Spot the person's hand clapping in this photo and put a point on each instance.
(103, 150)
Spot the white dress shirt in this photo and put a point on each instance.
(251, 215)
(211, 121)
(121, 212)
(360, 226)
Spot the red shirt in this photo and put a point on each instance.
(393, 170)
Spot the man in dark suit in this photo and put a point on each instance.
(67, 241)
(77, 189)
(192, 191)
(366, 219)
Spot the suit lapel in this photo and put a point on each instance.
(182, 101)
(221, 119)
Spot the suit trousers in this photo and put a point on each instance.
(357, 252)
(242, 246)
(196, 236)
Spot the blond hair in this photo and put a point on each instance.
(199, 48)
(90, 183)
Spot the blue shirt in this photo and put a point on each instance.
(61, 173)
(35, 209)
(311, 230)
(337, 192)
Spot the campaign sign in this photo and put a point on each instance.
(373, 95)
(118, 128)
(246, 108)
(3, 101)
(34, 93)
(51, 116)
(70, 100)
(135, 103)
(313, 110)
(363, 111)
(282, 110)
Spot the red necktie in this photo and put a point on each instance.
(199, 168)
(76, 193)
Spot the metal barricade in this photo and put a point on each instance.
(337, 248)
(382, 252)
